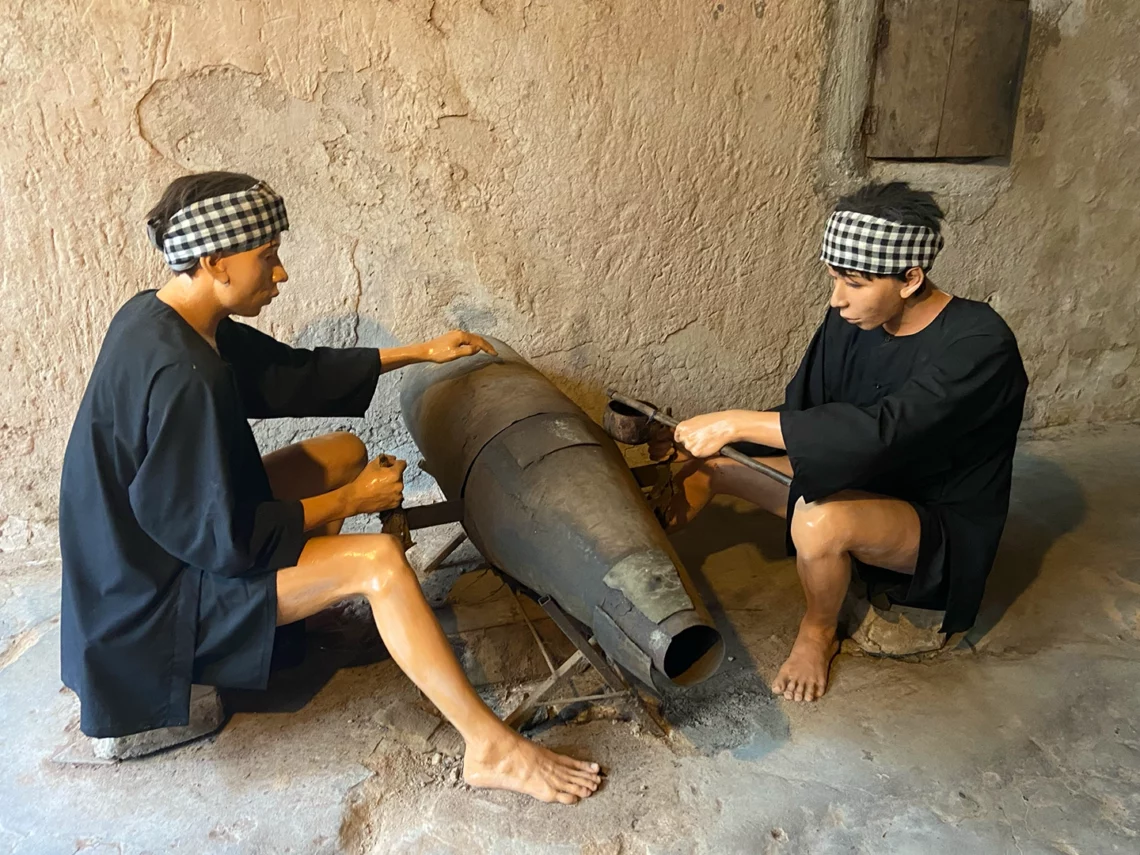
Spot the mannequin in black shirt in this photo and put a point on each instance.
(183, 549)
(898, 430)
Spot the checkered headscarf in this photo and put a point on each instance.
(234, 222)
(868, 244)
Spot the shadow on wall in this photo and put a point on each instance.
(1045, 504)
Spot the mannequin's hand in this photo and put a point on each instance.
(455, 345)
(704, 436)
(380, 486)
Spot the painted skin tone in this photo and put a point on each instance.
(875, 529)
(332, 478)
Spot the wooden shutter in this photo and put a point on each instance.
(947, 74)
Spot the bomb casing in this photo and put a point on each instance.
(549, 500)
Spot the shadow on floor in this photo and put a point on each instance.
(1046, 502)
(306, 656)
(733, 710)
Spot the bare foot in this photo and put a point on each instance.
(692, 490)
(516, 764)
(803, 677)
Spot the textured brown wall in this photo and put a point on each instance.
(629, 193)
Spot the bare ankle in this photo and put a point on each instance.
(826, 628)
(490, 742)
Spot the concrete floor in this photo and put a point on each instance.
(1027, 741)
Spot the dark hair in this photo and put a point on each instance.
(896, 201)
(190, 189)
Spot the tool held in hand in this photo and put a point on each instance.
(395, 520)
(627, 420)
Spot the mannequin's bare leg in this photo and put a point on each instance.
(333, 568)
(697, 480)
(877, 530)
(315, 466)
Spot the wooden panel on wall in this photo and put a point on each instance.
(916, 38)
(985, 69)
(947, 74)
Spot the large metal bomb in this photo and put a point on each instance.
(549, 500)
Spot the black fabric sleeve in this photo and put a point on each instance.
(277, 380)
(183, 494)
(837, 446)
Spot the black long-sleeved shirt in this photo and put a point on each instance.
(163, 483)
(931, 418)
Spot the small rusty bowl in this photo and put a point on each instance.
(625, 424)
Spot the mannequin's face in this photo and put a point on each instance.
(246, 282)
(870, 301)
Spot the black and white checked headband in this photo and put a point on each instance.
(234, 222)
(868, 244)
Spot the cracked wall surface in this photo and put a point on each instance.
(628, 193)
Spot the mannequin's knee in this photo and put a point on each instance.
(821, 528)
(349, 458)
(383, 567)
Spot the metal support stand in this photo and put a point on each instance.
(585, 653)
(401, 522)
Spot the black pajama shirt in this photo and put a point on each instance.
(930, 418)
(169, 531)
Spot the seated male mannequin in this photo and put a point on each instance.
(898, 430)
(183, 549)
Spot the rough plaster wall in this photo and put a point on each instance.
(1059, 252)
(627, 192)
(620, 190)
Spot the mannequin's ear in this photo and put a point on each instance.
(915, 278)
(215, 266)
